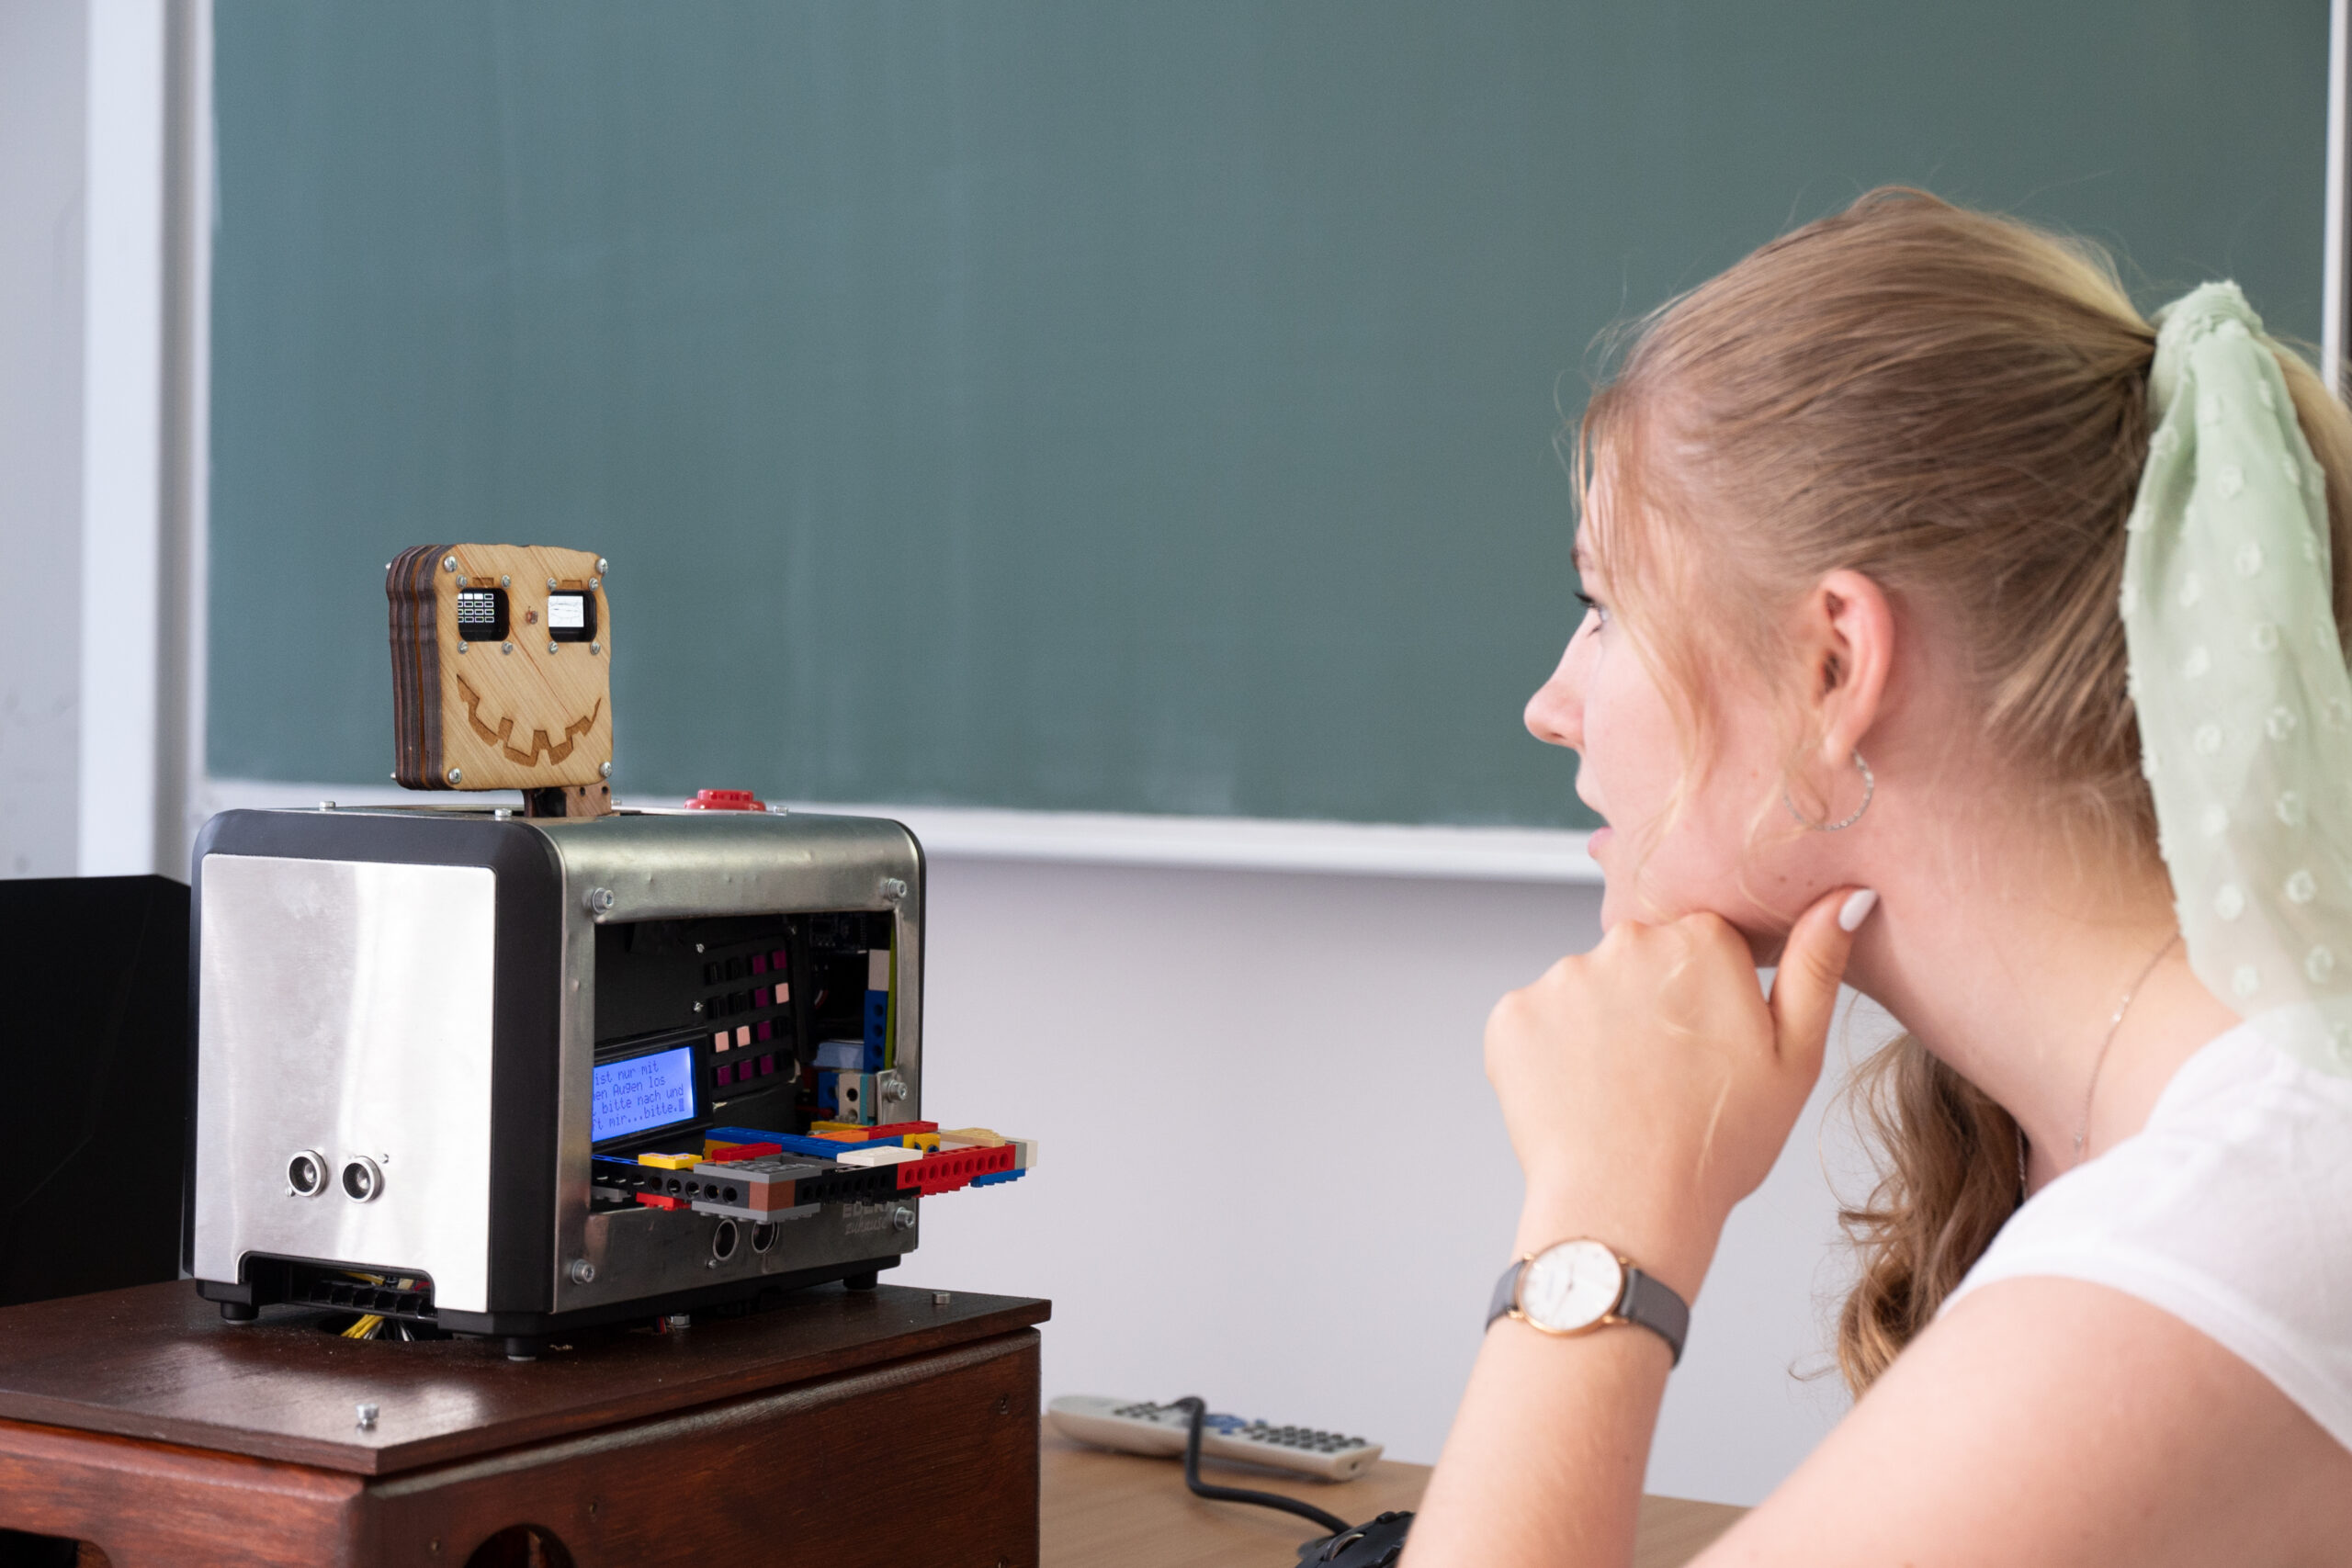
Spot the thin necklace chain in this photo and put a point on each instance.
(2083, 1125)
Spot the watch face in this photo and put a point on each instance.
(1571, 1286)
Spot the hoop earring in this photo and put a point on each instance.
(1869, 788)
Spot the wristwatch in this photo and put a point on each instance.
(1575, 1286)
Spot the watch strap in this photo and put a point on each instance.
(1506, 1293)
(1654, 1304)
(1646, 1300)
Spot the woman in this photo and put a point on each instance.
(1954, 632)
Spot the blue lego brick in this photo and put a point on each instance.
(742, 1136)
(994, 1177)
(877, 1026)
(791, 1143)
(826, 1098)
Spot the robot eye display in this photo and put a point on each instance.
(571, 617)
(481, 614)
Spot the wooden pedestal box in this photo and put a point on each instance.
(841, 1430)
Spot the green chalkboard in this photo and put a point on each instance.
(1138, 405)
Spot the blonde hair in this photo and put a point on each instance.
(1954, 404)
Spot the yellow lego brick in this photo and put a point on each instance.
(923, 1141)
(815, 1127)
(671, 1162)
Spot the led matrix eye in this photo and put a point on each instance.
(481, 614)
(571, 617)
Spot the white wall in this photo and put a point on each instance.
(102, 119)
(1272, 1173)
(42, 55)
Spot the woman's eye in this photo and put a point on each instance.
(1593, 604)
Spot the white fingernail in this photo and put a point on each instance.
(1855, 910)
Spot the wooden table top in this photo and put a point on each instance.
(1098, 1507)
(154, 1362)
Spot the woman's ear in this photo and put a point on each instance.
(1848, 632)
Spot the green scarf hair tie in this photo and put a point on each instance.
(2238, 675)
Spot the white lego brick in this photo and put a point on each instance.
(887, 1153)
(842, 1056)
(854, 1097)
(877, 969)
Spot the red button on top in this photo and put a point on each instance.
(724, 800)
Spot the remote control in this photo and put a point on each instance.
(1139, 1426)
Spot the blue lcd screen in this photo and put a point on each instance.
(639, 1092)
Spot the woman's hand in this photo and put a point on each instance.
(1649, 1085)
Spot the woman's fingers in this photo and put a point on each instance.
(1804, 990)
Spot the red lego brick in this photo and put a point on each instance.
(724, 800)
(657, 1200)
(720, 1153)
(956, 1168)
(901, 1129)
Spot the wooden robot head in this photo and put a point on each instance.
(501, 672)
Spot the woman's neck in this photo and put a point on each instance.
(2009, 960)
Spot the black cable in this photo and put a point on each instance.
(1331, 1523)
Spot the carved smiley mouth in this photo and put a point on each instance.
(556, 751)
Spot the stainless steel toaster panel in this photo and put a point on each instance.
(345, 1009)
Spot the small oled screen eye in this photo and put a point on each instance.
(481, 614)
(571, 617)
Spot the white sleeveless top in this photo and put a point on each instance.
(2231, 1210)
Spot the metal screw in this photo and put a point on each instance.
(551, 582)
(893, 889)
(505, 581)
(595, 647)
(582, 1271)
(462, 647)
(697, 1005)
(449, 563)
(461, 580)
(600, 901)
(326, 806)
(892, 1086)
(903, 1219)
(550, 648)
(505, 648)
(366, 1417)
(603, 565)
(603, 769)
(596, 583)
(939, 1298)
(501, 813)
(455, 774)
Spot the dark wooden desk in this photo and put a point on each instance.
(842, 1428)
(1103, 1508)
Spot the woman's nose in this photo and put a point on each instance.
(1555, 713)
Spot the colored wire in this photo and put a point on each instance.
(1330, 1523)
